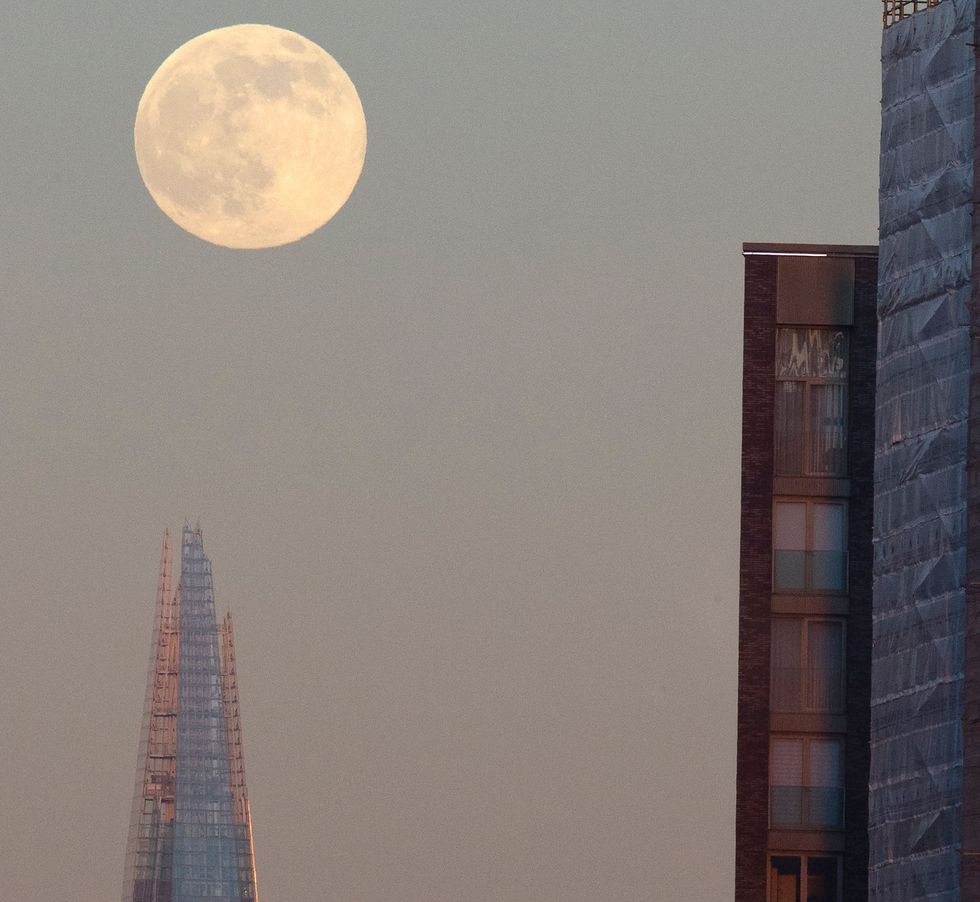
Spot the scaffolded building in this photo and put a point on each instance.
(190, 835)
(924, 794)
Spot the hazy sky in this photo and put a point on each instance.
(466, 460)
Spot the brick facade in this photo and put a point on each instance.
(755, 580)
(861, 435)
(752, 835)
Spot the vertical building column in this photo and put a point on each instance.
(755, 581)
(861, 428)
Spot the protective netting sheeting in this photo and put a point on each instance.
(920, 455)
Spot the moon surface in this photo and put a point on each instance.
(250, 136)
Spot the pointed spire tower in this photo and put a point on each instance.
(190, 836)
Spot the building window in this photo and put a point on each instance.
(809, 546)
(804, 878)
(807, 659)
(811, 402)
(806, 783)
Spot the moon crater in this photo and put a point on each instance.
(250, 136)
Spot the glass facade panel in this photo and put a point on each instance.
(205, 860)
(191, 837)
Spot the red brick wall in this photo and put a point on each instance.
(861, 439)
(755, 580)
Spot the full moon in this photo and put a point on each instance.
(250, 136)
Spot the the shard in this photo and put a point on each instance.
(190, 835)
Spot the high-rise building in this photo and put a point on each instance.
(925, 729)
(805, 580)
(190, 836)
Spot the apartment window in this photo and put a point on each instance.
(804, 878)
(806, 783)
(807, 660)
(811, 402)
(809, 546)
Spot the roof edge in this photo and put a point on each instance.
(829, 250)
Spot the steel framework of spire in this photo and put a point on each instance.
(190, 835)
(896, 10)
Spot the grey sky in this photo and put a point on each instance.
(466, 460)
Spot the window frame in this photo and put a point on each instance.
(810, 503)
(804, 858)
(807, 431)
(807, 739)
(806, 679)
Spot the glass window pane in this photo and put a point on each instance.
(784, 878)
(786, 783)
(811, 354)
(790, 525)
(821, 879)
(787, 662)
(829, 556)
(789, 570)
(825, 763)
(789, 542)
(826, 452)
(825, 665)
(786, 762)
(825, 782)
(792, 354)
(786, 806)
(829, 527)
(829, 571)
(789, 428)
